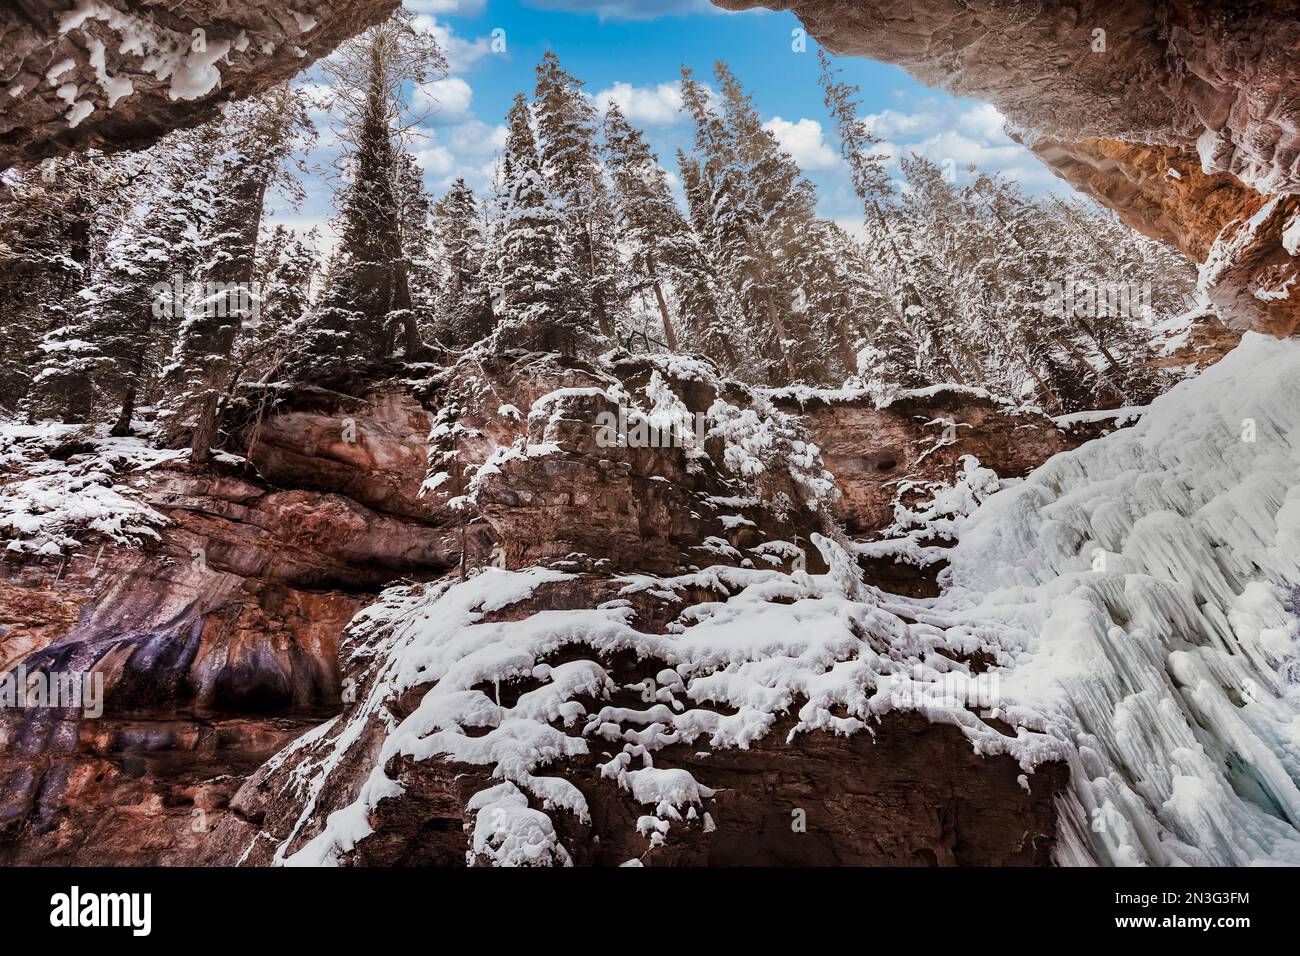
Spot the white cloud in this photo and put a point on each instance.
(435, 159)
(476, 138)
(461, 54)
(894, 124)
(855, 226)
(804, 141)
(951, 144)
(961, 132)
(658, 105)
(887, 150)
(467, 150)
(984, 121)
(446, 100)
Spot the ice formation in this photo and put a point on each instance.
(1141, 591)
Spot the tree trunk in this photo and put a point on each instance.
(122, 427)
(597, 297)
(670, 335)
(774, 317)
(402, 303)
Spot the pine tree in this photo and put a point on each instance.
(729, 227)
(415, 212)
(567, 148)
(51, 220)
(367, 303)
(706, 304)
(651, 226)
(746, 235)
(286, 273)
(896, 341)
(258, 137)
(538, 288)
(465, 310)
(108, 349)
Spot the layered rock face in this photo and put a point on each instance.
(215, 647)
(919, 437)
(1183, 117)
(228, 639)
(117, 74)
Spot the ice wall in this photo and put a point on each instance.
(1142, 591)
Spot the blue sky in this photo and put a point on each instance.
(632, 51)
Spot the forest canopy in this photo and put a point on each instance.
(154, 286)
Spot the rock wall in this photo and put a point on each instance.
(227, 640)
(118, 74)
(1218, 77)
(919, 437)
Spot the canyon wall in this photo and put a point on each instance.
(118, 74)
(228, 637)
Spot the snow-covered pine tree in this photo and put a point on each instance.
(538, 288)
(1140, 283)
(253, 145)
(988, 280)
(866, 307)
(366, 305)
(831, 302)
(460, 235)
(110, 347)
(652, 228)
(799, 260)
(997, 279)
(415, 212)
(731, 228)
(706, 304)
(930, 235)
(570, 158)
(1038, 251)
(287, 267)
(894, 346)
(52, 220)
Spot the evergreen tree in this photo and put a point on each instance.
(721, 211)
(367, 305)
(49, 221)
(567, 148)
(286, 274)
(782, 202)
(706, 303)
(465, 313)
(109, 348)
(538, 287)
(895, 343)
(651, 226)
(258, 137)
(415, 215)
